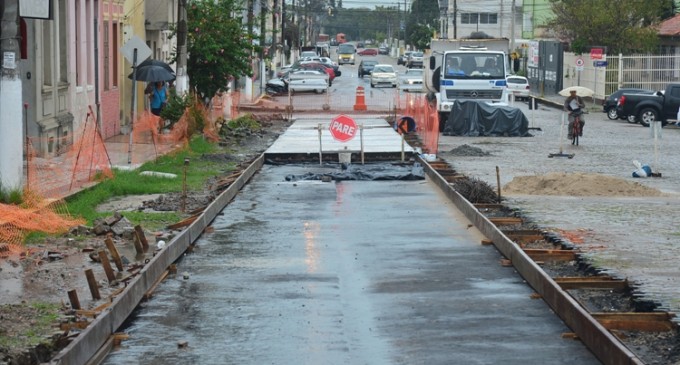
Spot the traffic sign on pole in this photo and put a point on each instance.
(343, 128)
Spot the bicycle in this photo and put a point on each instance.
(576, 129)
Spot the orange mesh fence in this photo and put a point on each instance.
(35, 214)
(56, 166)
(426, 117)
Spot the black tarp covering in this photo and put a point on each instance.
(370, 172)
(479, 119)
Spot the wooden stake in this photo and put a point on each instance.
(92, 283)
(73, 298)
(107, 266)
(138, 244)
(142, 237)
(498, 182)
(114, 253)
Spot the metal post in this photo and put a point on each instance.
(361, 138)
(134, 102)
(184, 185)
(28, 180)
(320, 146)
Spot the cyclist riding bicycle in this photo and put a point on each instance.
(574, 105)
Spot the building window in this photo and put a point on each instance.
(114, 57)
(47, 52)
(479, 18)
(106, 52)
(63, 47)
(24, 39)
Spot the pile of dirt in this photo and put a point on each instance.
(467, 150)
(577, 184)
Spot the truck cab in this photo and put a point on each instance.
(459, 71)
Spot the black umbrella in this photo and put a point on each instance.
(152, 73)
(153, 62)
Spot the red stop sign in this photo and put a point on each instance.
(343, 128)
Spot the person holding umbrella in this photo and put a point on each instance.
(574, 106)
(159, 97)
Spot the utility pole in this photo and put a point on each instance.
(455, 19)
(11, 161)
(182, 84)
(512, 28)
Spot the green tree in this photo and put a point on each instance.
(421, 22)
(218, 46)
(620, 25)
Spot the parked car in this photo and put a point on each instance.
(415, 60)
(366, 67)
(334, 42)
(307, 80)
(383, 50)
(660, 106)
(328, 62)
(412, 80)
(403, 58)
(368, 52)
(283, 70)
(519, 87)
(609, 104)
(360, 45)
(383, 74)
(319, 67)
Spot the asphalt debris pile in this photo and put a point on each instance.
(467, 150)
(476, 191)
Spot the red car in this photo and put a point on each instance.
(368, 52)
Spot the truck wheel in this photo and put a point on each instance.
(443, 117)
(647, 116)
(631, 119)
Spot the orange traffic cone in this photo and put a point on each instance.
(360, 103)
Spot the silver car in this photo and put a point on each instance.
(415, 60)
(411, 80)
(383, 75)
(307, 80)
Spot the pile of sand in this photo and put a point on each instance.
(577, 184)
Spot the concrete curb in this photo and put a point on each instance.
(598, 339)
(89, 342)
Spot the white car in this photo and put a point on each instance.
(518, 86)
(307, 80)
(412, 80)
(310, 54)
(383, 74)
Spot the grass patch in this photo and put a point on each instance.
(42, 316)
(198, 171)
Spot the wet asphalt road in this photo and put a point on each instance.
(356, 272)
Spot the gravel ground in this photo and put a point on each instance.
(632, 237)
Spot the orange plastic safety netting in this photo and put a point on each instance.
(426, 117)
(34, 214)
(59, 167)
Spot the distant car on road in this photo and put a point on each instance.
(415, 60)
(383, 74)
(383, 50)
(360, 45)
(365, 67)
(403, 58)
(518, 86)
(412, 80)
(368, 52)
